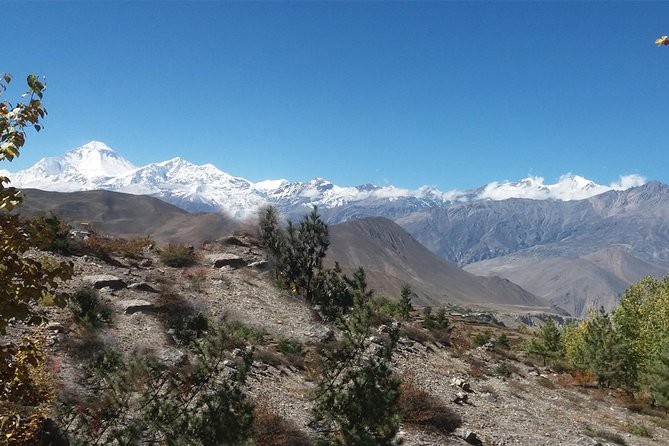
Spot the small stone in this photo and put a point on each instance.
(468, 435)
(261, 265)
(375, 340)
(145, 263)
(489, 397)
(260, 365)
(460, 398)
(55, 326)
(230, 364)
(488, 346)
(232, 241)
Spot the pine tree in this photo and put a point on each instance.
(298, 252)
(272, 236)
(546, 343)
(428, 318)
(405, 307)
(603, 351)
(357, 397)
(658, 378)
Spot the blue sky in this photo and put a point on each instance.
(442, 93)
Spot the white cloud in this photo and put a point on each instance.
(568, 187)
(627, 181)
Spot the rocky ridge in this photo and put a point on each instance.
(529, 405)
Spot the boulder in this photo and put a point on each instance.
(172, 356)
(320, 333)
(142, 286)
(105, 280)
(231, 260)
(135, 305)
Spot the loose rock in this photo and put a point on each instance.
(231, 260)
(105, 280)
(467, 435)
(142, 286)
(136, 305)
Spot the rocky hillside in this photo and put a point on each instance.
(502, 398)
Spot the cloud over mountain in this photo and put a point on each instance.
(569, 187)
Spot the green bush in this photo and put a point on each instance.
(639, 430)
(246, 332)
(143, 401)
(503, 341)
(503, 370)
(178, 255)
(298, 252)
(290, 346)
(187, 322)
(53, 233)
(435, 322)
(483, 338)
(88, 310)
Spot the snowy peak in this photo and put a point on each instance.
(206, 188)
(92, 160)
(80, 169)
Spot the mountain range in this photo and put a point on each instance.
(205, 188)
(575, 243)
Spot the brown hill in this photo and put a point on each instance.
(392, 257)
(127, 215)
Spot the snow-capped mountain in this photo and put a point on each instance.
(206, 188)
(83, 168)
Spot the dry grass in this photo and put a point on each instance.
(271, 429)
(178, 255)
(415, 334)
(105, 247)
(422, 410)
(279, 359)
